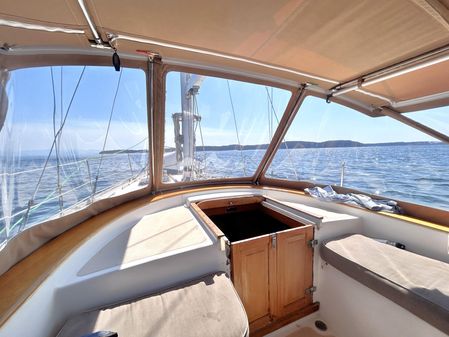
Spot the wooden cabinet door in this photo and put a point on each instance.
(250, 274)
(294, 269)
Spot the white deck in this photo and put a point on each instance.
(162, 244)
(155, 236)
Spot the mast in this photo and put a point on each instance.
(190, 85)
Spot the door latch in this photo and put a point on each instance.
(310, 291)
(312, 243)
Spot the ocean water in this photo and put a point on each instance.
(25, 185)
(416, 173)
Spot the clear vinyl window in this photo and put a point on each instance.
(333, 144)
(217, 128)
(69, 135)
(437, 119)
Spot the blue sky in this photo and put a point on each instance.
(316, 120)
(319, 121)
(30, 115)
(251, 107)
(31, 107)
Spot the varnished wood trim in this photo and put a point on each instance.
(283, 126)
(279, 323)
(222, 210)
(232, 201)
(209, 223)
(259, 323)
(415, 221)
(158, 124)
(153, 65)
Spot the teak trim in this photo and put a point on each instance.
(281, 130)
(229, 201)
(290, 216)
(207, 221)
(278, 323)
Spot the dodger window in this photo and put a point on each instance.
(70, 135)
(217, 128)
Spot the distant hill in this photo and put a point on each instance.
(309, 145)
(122, 151)
(285, 145)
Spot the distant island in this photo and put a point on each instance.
(309, 145)
(122, 151)
(296, 144)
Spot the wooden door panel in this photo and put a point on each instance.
(294, 269)
(250, 274)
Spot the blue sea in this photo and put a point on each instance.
(25, 185)
(416, 173)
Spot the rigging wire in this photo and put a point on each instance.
(107, 133)
(71, 163)
(34, 207)
(58, 179)
(271, 115)
(30, 202)
(236, 129)
(285, 142)
(51, 196)
(204, 149)
(130, 164)
(61, 112)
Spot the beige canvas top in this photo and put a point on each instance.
(335, 41)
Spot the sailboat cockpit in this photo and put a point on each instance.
(237, 168)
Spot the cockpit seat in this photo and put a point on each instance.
(208, 306)
(417, 283)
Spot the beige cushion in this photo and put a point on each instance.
(205, 307)
(417, 283)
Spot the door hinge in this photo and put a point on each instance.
(310, 291)
(273, 240)
(312, 243)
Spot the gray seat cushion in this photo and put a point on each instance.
(209, 306)
(417, 283)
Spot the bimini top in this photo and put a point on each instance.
(383, 53)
